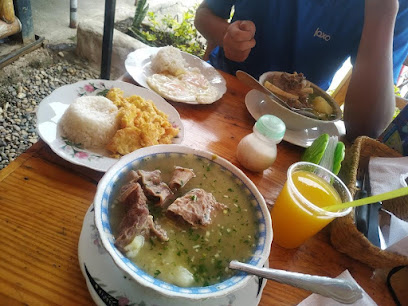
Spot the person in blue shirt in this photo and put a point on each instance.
(315, 37)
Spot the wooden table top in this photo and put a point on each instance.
(43, 201)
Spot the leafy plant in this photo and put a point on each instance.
(396, 112)
(397, 91)
(140, 13)
(168, 31)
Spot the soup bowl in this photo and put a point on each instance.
(117, 175)
(292, 119)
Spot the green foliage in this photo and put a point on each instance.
(397, 91)
(169, 31)
(140, 13)
(396, 112)
(398, 94)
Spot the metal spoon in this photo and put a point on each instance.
(340, 290)
(253, 83)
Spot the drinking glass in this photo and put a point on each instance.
(297, 214)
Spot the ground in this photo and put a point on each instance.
(23, 85)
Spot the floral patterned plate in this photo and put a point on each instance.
(53, 107)
(109, 285)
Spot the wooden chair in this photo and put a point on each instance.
(339, 94)
(401, 102)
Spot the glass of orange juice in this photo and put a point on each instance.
(297, 214)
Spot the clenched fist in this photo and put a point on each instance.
(239, 40)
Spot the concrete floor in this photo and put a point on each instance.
(51, 18)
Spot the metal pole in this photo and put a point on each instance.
(23, 12)
(107, 38)
(73, 14)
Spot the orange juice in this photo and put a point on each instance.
(295, 217)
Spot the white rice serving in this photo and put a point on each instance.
(169, 60)
(90, 121)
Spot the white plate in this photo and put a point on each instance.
(138, 65)
(109, 285)
(303, 138)
(53, 107)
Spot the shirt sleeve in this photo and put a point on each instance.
(221, 8)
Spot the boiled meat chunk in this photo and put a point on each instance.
(195, 207)
(180, 177)
(154, 187)
(137, 220)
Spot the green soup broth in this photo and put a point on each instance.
(205, 252)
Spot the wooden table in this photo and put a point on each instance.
(43, 200)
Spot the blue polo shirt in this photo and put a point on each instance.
(314, 37)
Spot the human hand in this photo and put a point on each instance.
(239, 40)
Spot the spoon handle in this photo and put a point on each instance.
(340, 290)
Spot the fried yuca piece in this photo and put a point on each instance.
(141, 124)
(276, 90)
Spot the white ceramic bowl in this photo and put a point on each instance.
(104, 197)
(295, 121)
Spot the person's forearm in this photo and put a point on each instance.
(212, 27)
(370, 101)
